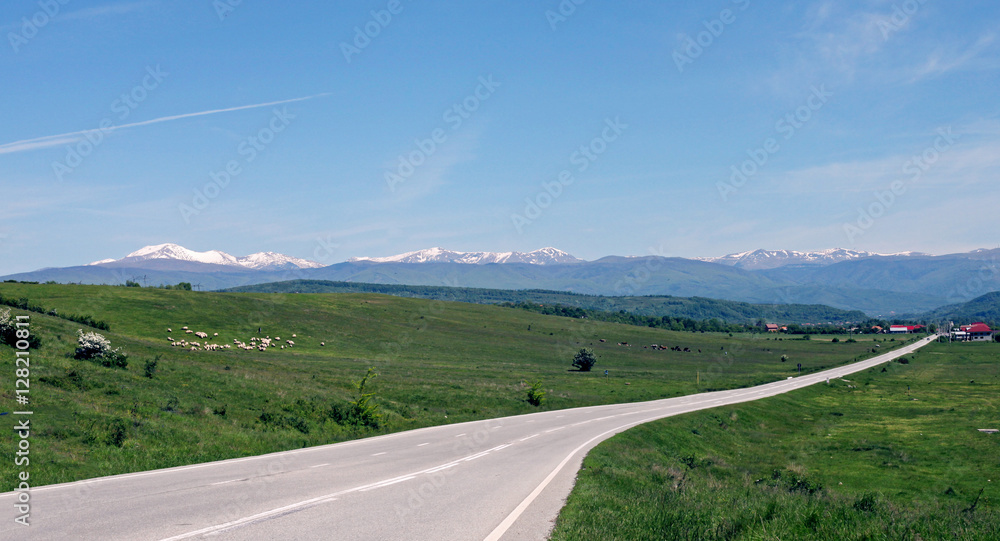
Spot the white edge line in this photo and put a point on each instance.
(505, 525)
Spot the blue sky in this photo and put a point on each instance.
(598, 128)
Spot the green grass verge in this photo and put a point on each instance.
(880, 455)
(438, 363)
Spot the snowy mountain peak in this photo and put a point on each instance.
(544, 256)
(175, 252)
(770, 259)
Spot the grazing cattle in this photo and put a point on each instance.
(603, 340)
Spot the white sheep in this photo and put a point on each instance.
(322, 343)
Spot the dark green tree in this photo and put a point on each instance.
(584, 360)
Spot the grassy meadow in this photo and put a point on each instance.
(879, 455)
(437, 363)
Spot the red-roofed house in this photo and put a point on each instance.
(771, 327)
(905, 329)
(977, 332)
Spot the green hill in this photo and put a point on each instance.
(437, 362)
(699, 308)
(985, 308)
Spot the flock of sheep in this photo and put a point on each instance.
(260, 344)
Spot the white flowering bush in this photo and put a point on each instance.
(8, 331)
(94, 346)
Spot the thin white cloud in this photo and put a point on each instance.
(941, 62)
(47, 141)
(110, 9)
(87, 14)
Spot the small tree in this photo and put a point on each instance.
(584, 360)
(365, 410)
(536, 396)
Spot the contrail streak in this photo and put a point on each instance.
(71, 137)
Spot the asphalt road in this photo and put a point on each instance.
(486, 480)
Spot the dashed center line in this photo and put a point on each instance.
(423, 444)
(378, 454)
(554, 429)
(320, 465)
(226, 482)
(528, 438)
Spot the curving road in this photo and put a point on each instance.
(486, 480)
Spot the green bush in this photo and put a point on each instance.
(536, 396)
(584, 360)
(150, 369)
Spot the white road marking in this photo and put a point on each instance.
(389, 482)
(554, 429)
(319, 465)
(226, 482)
(423, 444)
(460, 435)
(528, 438)
(379, 454)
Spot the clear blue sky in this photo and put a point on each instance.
(178, 88)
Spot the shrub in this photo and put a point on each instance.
(584, 360)
(8, 331)
(835, 340)
(536, 396)
(150, 368)
(363, 412)
(92, 346)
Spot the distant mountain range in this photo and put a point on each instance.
(878, 284)
(771, 259)
(545, 256)
(174, 252)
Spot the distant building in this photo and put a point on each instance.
(906, 329)
(877, 330)
(771, 327)
(977, 332)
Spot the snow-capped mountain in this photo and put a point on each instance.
(174, 252)
(544, 256)
(770, 259)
